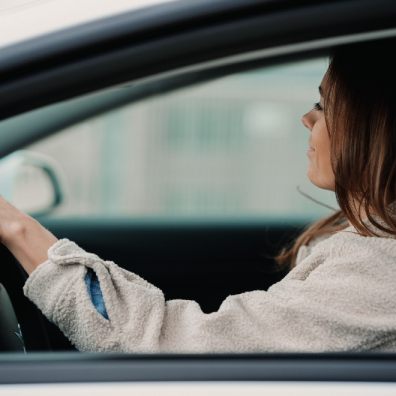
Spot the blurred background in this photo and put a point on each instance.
(230, 148)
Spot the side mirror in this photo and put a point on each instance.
(30, 182)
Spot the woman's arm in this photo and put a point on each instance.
(29, 242)
(24, 237)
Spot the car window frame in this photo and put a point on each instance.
(42, 368)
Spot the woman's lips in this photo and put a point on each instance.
(310, 150)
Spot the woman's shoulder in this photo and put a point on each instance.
(349, 242)
(305, 250)
(350, 245)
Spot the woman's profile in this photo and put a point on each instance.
(339, 294)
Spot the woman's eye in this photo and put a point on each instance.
(317, 106)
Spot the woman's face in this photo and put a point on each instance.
(319, 168)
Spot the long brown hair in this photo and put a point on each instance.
(360, 113)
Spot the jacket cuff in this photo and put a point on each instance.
(65, 252)
(61, 255)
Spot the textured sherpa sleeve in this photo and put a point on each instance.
(334, 303)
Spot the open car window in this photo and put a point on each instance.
(143, 141)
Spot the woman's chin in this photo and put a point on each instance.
(325, 185)
(311, 176)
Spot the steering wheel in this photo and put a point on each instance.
(11, 338)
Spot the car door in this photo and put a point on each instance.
(153, 54)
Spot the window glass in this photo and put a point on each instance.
(234, 147)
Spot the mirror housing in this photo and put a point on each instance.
(30, 181)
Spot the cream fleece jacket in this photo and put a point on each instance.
(341, 296)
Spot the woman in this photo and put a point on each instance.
(340, 293)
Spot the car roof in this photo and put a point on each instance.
(179, 39)
(21, 20)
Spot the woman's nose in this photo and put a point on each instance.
(306, 121)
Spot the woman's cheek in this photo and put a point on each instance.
(325, 170)
(319, 169)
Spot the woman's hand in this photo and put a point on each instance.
(23, 236)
